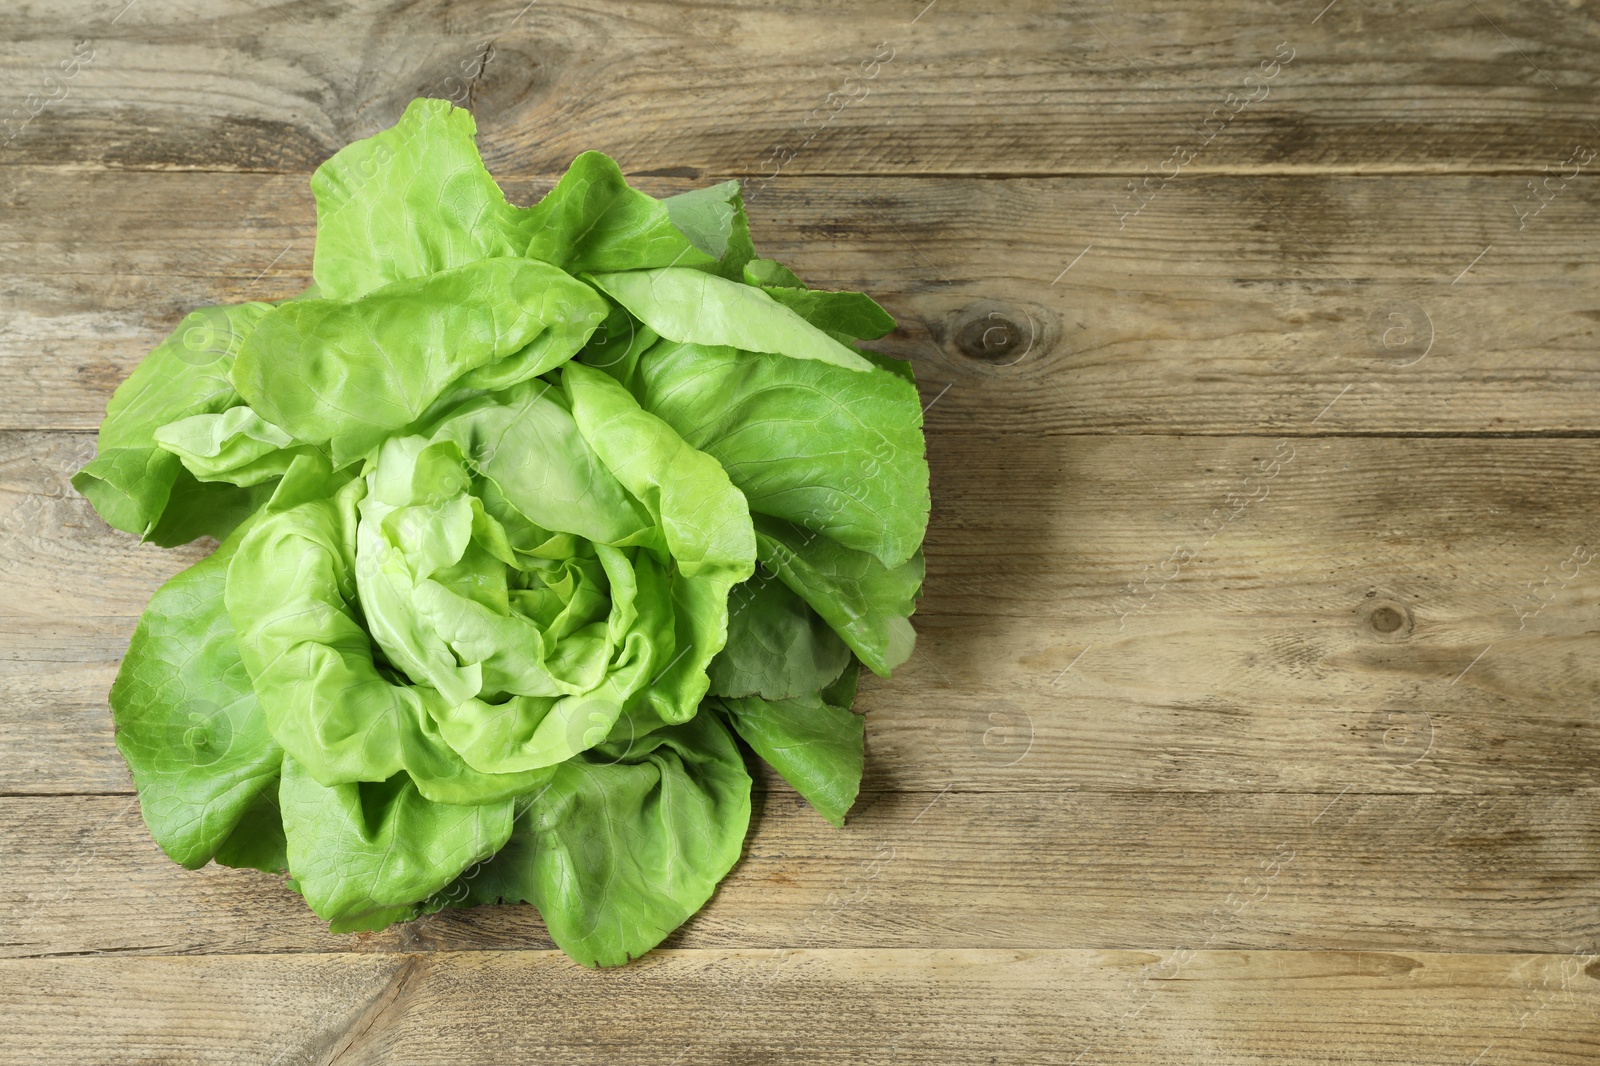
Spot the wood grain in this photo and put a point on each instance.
(1230, 304)
(1036, 87)
(1246, 656)
(941, 869)
(1011, 1007)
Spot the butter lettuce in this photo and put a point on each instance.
(535, 524)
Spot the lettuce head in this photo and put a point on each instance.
(531, 522)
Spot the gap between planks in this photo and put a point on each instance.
(714, 175)
(1268, 433)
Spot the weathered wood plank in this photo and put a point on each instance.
(941, 869)
(1377, 613)
(859, 1007)
(1249, 654)
(1230, 304)
(859, 88)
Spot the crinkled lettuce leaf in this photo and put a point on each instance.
(626, 841)
(813, 742)
(365, 853)
(592, 221)
(836, 451)
(187, 719)
(349, 373)
(868, 604)
(778, 648)
(848, 314)
(411, 201)
(132, 479)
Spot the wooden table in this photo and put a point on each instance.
(1254, 712)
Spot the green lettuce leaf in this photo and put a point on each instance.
(237, 446)
(626, 842)
(763, 272)
(363, 855)
(592, 221)
(411, 201)
(257, 841)
(836, 451)
(778, 648)
(704, 520)
(131, 479)
(713, 219)
(526, 441)
(699, 308)
(868, 604)
(814, 744)
(187, 720)
(350, 373)
(849, 314)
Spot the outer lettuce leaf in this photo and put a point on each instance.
(616, 345)
(187, 718)
(409, 202)
(626, 842)
(867, 603)
(237, 446)
(131, 479)
(349, 374)
(836, 451)
(196, 509)
(815, 745)
(373, 230)
(771, 272)
(364, 854)
(900, 368)
(258, 841)
(854, 315)
(778, 647)
(714, 221)
(129, 486)
(699, 308)
(592, 221)
(850, 314)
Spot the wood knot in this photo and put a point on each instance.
(997, 335)
(1386, 618)
(993, 338)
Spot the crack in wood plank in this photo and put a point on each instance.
(375, 1016)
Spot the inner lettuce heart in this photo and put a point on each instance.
(533, 526)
